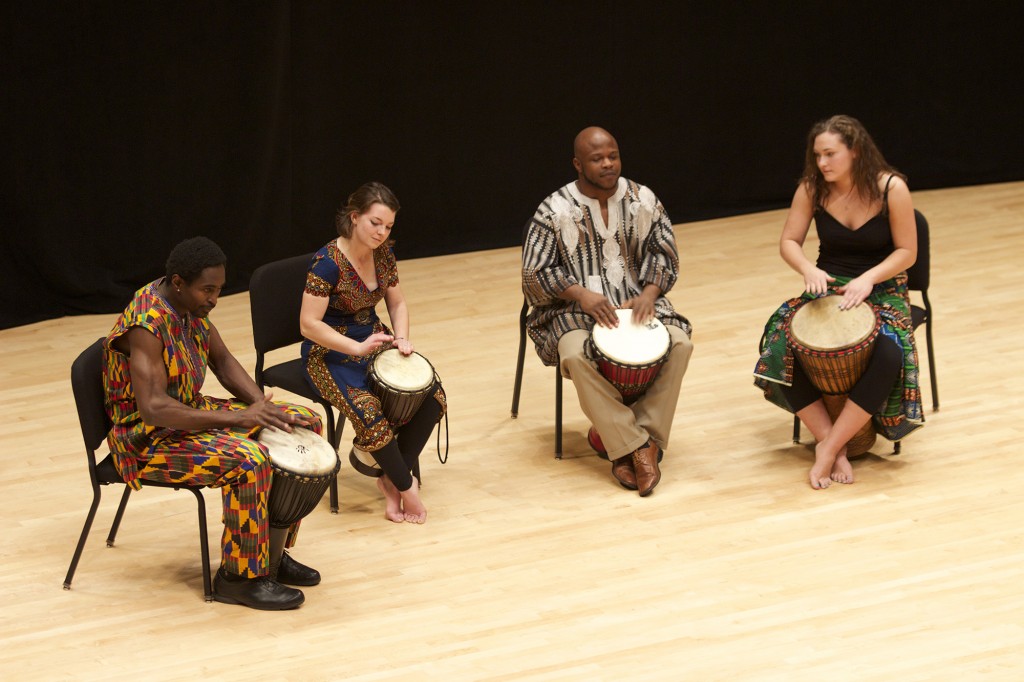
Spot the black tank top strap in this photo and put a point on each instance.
(885, 196)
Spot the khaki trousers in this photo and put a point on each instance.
(625, 428)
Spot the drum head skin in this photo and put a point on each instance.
(821, 325)
(300, 452)
(632, 344)
(403, 372)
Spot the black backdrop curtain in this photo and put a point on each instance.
(130, 126)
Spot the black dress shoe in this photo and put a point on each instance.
(291, 572)
(257, 593)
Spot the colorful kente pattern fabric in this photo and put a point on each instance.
(186, 342)
(567, 242)
(237, 463)
(902, 411)
(351, 310)
(230, 459)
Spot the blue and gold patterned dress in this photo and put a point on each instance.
(351, 310)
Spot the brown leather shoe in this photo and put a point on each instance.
(645, 464)
(622, 470)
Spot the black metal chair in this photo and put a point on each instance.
(918, 279)
(519, 383)
(275, 298)
(87, 385)
(519, 370)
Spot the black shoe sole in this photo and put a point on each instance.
(259, 607)
(296, 583)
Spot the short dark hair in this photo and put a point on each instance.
(189, 258)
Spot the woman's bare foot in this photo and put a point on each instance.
(842, 470)
(823, 462)
(392, 500)
(412, 506)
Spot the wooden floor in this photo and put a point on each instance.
(534, 569)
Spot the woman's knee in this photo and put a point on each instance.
(888, 355)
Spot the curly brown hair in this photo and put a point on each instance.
(868, 162)
(360, 201)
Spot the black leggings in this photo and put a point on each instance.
(870, 391)
(400, 458)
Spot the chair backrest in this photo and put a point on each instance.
(919, 274)
(275, 298)
(87, 385)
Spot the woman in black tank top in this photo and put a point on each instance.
(862, 209)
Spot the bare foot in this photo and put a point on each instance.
(392, 500)
(413, 507)
(823, 462)
(842, 470)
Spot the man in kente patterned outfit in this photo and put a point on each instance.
(155, 361)
(598, 244)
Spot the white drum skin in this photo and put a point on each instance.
(301, 452)
(630, 343)
(403, 372)
(821, 325)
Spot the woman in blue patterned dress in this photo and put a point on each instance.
(346, 280)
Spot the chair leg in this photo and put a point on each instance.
(334, 495)
(204, 544)
(931, 351)
(519, 363)
(796, 430)
(84, 536)
(119, 515)
(896, 447)
(334, 436)
(558, 413)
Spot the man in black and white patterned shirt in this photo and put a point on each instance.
(598, 244)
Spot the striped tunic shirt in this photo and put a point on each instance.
(567, 242)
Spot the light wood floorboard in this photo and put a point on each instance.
(534, 569)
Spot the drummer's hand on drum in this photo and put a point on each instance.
(854, 292)
(816, 281)
(374, 342)
(265, 412)
(404, 346)
(643, 308)
(600, 308)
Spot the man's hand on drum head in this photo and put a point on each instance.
(264, 412)
(816, 281)
(600, 308)
(374, 342)
(855, 292)
(643, 308)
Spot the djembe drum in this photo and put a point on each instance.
(834, 347)
(401, 383)
(303, 464)
(630, 355)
